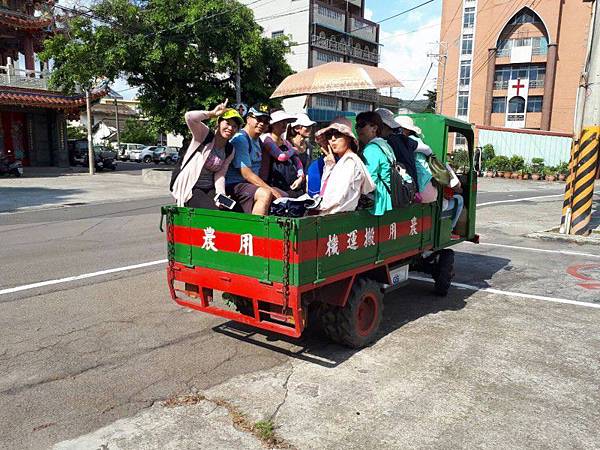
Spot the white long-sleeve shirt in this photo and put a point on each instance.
(343, 183)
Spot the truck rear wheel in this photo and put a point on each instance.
(443, 272)
(356, 324)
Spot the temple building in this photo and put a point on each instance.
(32, 117)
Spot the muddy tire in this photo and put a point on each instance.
(356, 324)
(443, 272)
(243, 305)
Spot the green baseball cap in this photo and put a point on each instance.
(232, 114)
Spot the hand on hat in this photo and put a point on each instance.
(220, 108)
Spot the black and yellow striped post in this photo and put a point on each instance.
(579, 190)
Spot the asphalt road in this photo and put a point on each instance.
(79, 355)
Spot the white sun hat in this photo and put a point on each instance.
(408, 124)
(387, 117)
(302, 120)
(280, 116)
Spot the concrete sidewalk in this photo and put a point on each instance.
(62, 188)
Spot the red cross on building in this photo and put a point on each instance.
(518, 86)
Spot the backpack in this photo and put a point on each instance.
(401, 189)
(438, 171)
(180, 165)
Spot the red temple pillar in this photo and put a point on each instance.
(28, 50)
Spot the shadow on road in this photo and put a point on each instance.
(14, 198)
(402, 306)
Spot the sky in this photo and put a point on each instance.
(406, 41)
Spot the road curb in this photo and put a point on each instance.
(553, 236)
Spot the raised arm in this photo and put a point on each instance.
(276, 152)
(195, 120)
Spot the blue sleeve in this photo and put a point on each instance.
(373, 155)
(242, 152)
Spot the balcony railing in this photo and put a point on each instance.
(500, 84)
(362, 29)
(329, 17)
(533, 84)
(344, 48)
(21, 78)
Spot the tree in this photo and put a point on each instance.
(74, 132)
(431, 98)
(181, 54)
(138, 132)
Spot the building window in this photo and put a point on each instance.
(535, 103)
(460, 140)
(469, 17)
(276, 34)
(467, 44)
(325, 102)
(465, 73)
(499, 105)
(327, 57)
(463, 104)
(331, 13)
(358, 106)
(525, 16)
(516, 105)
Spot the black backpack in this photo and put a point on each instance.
(180, 166)
(401, 191)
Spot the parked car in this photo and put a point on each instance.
(145, 154)
(125, 149)
(104, 157)
(167, 155)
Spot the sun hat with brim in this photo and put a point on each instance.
(281, 116)
(341, 124)
(408, 124)
(387, 117)
(232, 114)
(302, 120)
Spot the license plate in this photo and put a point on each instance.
(100, 164)
(20, 170)
(399, 275)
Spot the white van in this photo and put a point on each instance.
(125, 148)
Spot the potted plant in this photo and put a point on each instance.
(503, 166)
(563, 171)
(490, 168)
(550, 173)
(459, 160)
(537, 168)
(526, 172)
(516, 166)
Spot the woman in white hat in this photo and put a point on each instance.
(347, 179)
(281, 167)
(298, 134)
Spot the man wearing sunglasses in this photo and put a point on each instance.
(243, 182)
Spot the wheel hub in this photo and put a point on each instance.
(367, 314)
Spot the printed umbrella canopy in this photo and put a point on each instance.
(335, 76)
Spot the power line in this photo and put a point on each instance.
(422, 84)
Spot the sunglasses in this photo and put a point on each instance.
(334, 135)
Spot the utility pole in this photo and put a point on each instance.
(585, 152)
(117, 125)
(441, 57)
(238, 82)
(91, 158)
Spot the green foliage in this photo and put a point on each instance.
(517, 163)
(138, 132)
(500, 163)
(487, 152)
(563, 168)
(76, 132)
(181, 54)
(459, 159)
(537, 165)
(550, 171)
(264, 429)
(431, 100)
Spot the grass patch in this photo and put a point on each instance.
(264, 430)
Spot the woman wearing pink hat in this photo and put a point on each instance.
(347, 179)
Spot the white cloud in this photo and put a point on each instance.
(405, 56)
(368, 14)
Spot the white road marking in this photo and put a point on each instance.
(80, 277)
(519, 199)
(513, 294)
(531, 249)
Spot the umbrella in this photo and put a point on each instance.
(335, 76)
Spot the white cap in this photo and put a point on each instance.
(408, 124)
(303, 120)
(280, 116)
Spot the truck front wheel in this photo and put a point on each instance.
(356, 324)
(443, 272)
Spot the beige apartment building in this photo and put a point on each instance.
(513, 64)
